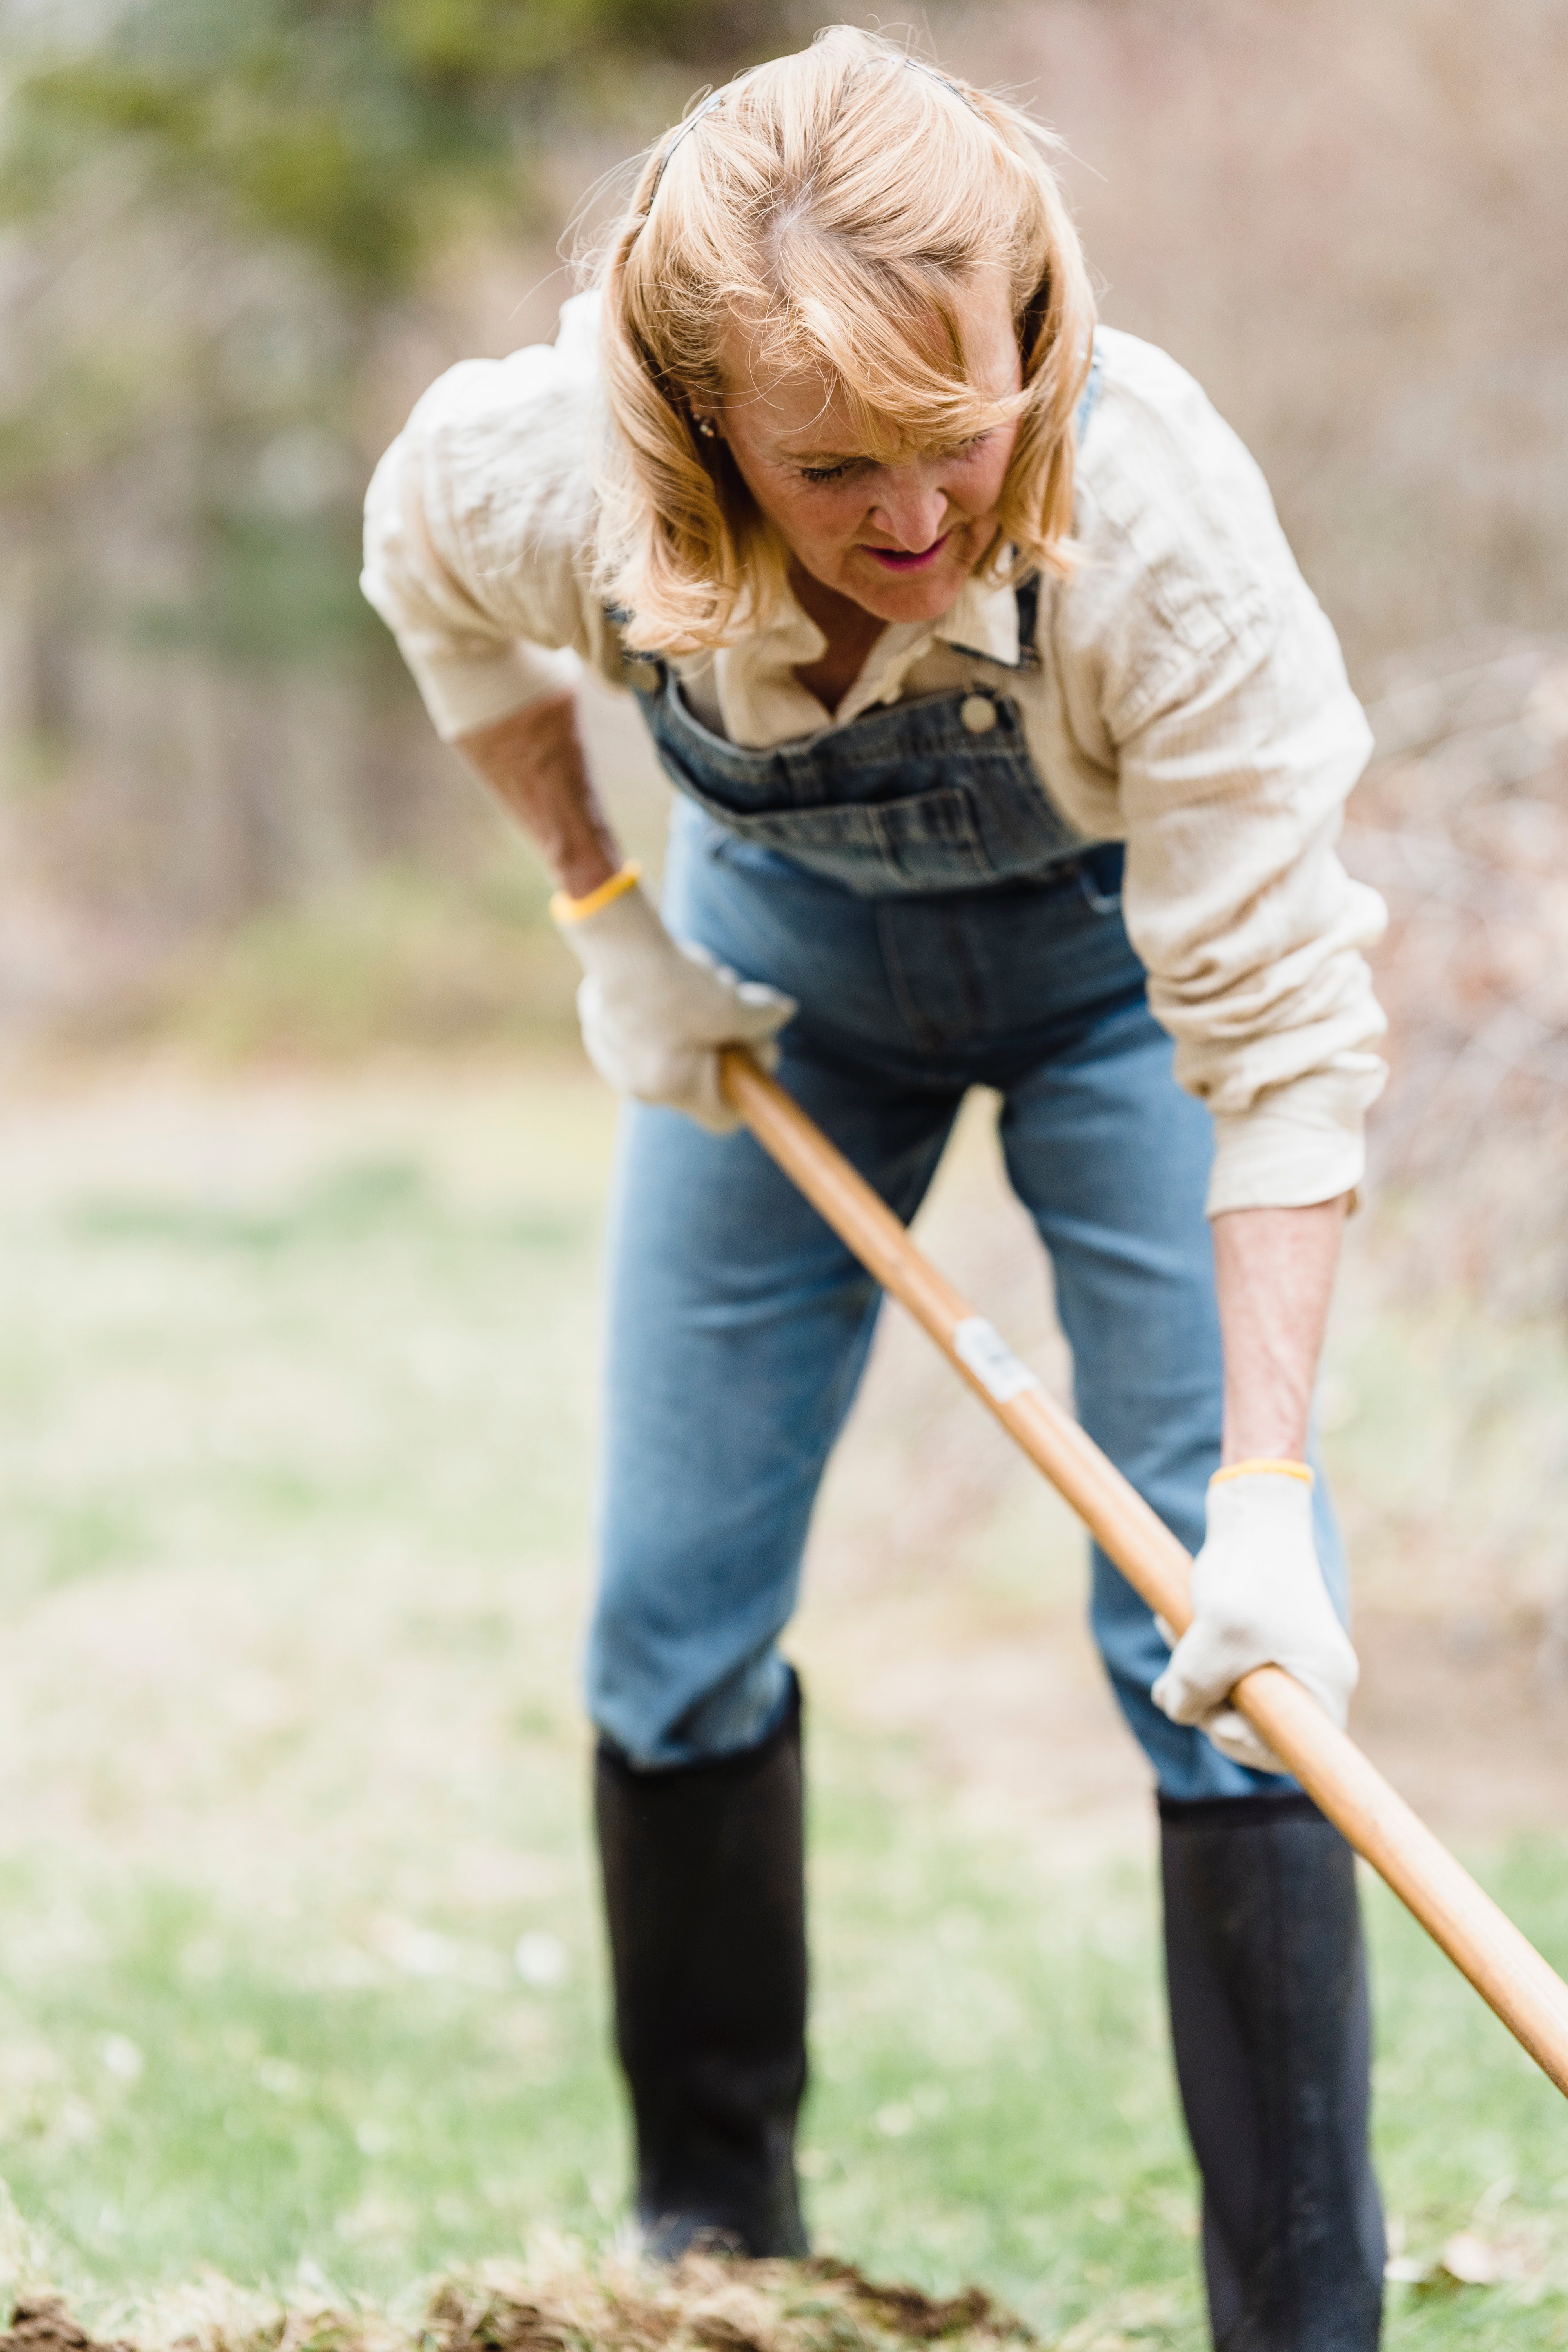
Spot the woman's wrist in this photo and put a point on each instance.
(1266, 1416)
(1263, 1467)
(568, 907)
(586, 867)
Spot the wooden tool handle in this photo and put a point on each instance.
(1503, 1966)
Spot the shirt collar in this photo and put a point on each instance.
(980, 621)
(762, 701)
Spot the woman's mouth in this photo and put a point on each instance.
(898, 559)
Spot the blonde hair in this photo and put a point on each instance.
(829, 206)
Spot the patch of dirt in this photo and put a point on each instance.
(710, 2303)
(705, 2303)
(43, 2324)
(923, 2319)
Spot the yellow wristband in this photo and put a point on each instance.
(1246, 1469)
(564, 910)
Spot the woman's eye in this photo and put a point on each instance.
(818, 474)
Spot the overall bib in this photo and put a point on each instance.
(907, 878)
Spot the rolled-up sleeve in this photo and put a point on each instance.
(1215, 696)
(1233, 785)
(477, 521)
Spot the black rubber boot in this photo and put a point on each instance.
(1269, 2017)
(704, 1890)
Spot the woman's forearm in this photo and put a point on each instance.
(532, 761)
(1274, 1275)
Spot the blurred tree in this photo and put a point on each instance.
(218, 216)
(356, 128)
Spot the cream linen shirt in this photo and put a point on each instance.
(1191, 703)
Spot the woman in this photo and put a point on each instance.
(1010, 751)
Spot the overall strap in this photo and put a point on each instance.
(1089, 398)
(1027, 595)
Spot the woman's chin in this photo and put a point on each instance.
(895, 595)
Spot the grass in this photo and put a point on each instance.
(300, 1972)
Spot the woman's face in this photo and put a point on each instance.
(899, 539)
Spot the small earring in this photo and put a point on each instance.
(708, 429)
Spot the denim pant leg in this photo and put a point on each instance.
(738, 1329)
(1111, 1158)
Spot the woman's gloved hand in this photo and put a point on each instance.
(654, 1010)
(1259, 1599)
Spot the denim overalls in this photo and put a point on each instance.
(908, 881)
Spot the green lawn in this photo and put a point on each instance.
(299, 1977)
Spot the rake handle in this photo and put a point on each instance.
(1483, 1942)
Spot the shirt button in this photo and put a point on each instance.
(978, 713)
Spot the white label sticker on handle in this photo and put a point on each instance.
(981, 1350)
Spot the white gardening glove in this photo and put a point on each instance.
(1259, 1599)
(654, 1010)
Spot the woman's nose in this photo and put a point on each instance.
(911, 511)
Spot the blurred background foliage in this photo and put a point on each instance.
(237, 242)
(361, 133)
(217, 223)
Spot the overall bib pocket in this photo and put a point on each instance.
(910, 797)
(877, 841)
